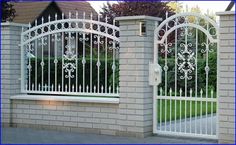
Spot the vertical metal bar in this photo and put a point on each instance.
(176, 51)
(113, 65)
(29, 65)
(106, 43)
(170, 109)
(207, 72)
(180, 92)
(201, 92)
(49, 53)
(84, 61)
(186, 82)
(55, 61)
(36, 64)
(42, 62)
(62, 69)
(91, 55)
(69, 72)
(161, 109)
(212, 113)
(190, 111)
(166, 68)
(196, 57)
(76, 61)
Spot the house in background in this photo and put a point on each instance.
(28, 12)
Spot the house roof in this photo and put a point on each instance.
(29, 11)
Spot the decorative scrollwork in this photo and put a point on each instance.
(186, 61)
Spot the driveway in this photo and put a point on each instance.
(33, 136)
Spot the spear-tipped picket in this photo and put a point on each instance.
(191, 92)
(201, 92)
(29, 25)
(117, 90)
(59, 87)
(102, 89)
(106, 19)
(49, 18)
(56, 16)
(94, 89)
(39, 87)
(161, 91)
(91, 16)
(84, 15)
(26, 86)
(42, 19)
(180, 92)
(80, 88)
(36, 22)
(109, 89)
(166, 14)
(52, 87)
(62, 16)
(170, 92)
(69, 15)
(76, 14)
(73, 87)
(32, 87)
(212, 93)
(66, 87)
(45, 87)
(87, 88)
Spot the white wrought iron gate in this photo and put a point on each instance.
(185, 102)
(70, 56)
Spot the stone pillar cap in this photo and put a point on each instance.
(142, 17)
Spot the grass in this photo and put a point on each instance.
(181, 112)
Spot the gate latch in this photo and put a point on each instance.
(155, 72)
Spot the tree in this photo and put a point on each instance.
(133, 8)
(176, 6)
(7, 10)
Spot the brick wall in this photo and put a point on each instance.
(226, 78)
(66, 116)
(10, 66)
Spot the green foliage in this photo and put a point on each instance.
(7, 11)
(59, 72)
(201, 74)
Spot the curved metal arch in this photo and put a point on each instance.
(186, 14)
(71, 20)
(71, 30)
(209, 36)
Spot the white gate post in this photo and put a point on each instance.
(136, 95)
(226, 77)
(10, 66)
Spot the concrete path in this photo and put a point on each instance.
(30, 136)
(204, 125)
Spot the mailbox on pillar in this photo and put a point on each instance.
(155, 74)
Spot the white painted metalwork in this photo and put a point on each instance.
(70, 56)
(186, 102)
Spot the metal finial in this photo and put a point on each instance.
(69, 14)
(76, 14)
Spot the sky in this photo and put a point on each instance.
(212, 6)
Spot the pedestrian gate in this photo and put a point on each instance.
(185, 102)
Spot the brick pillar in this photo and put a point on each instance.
(10, 66)
(226, 77)
(136, 105)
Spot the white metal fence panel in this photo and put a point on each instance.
(70, 56)
(186, 101)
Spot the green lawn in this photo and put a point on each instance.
(206, 108)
